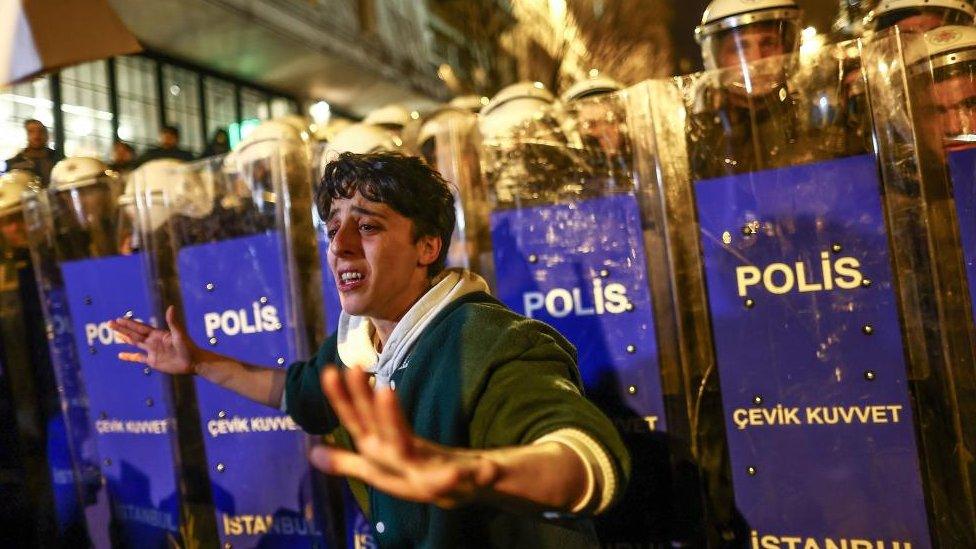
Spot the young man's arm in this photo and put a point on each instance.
(531, 477)
(173, 352)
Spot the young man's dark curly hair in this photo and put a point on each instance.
(404, 183)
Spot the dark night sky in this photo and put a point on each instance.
(687, 14)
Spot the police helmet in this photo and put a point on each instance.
(724, 19)
(393, 117)
(78, 172)
(919, 15)
(470, 103)
(13, 184)
(514, 105)
(590, 87)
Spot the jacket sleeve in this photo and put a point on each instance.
(537, 392)
(304, 400)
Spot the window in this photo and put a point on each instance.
(182, 93)
(254, 107)
(19, 103)
(138, 101)
(220, 105)
(86, 107)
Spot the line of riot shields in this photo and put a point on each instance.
(765, 270)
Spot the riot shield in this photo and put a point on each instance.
(924, 137)
(576, 244)
(238, 233)
(793, 277)
(452, 150)
(74, 232)
(49, 477)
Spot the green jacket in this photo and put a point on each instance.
(480, 376)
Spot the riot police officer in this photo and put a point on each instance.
(950, 57)
(598, 118)
(919, 15)
(85, 193)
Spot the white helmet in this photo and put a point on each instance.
(154, 180)
(889, 13)
(363, 138)
(265, 138)
(946, 46)
(723, 17)
(393, 116)
(513, 106)
(589, 87)
(470, 103)
(77, 172)
(13, 184)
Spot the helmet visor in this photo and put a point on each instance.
(953, 102)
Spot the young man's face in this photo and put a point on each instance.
(379, 269)
(955, 103)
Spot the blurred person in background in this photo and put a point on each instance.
(219, 144)
(37, 157)
(123, 157)
(169, 147)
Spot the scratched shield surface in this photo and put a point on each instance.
(812, 371)
(127, 402)
(962, 169)
(235, 300)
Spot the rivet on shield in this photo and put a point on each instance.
(533, 258)
(221, 467)
(751, 471)
(92, 350)
(149, 402)
(867, 329)
(749, 303)
(604, 273)
(632, 390)
(128, 314)
(757, 400)
(865, 282)
(210, 286)
(222, 414)
(263, 300)
(88, 300)
(836, 248)
(870, 375)
(631, 349)
(281, 360)
(213, 341)
(147, 370)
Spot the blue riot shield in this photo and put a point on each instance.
(575, 245)
(47, 479)
(85, 282)
(812, 294)
(237, 272)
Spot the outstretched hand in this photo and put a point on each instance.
(169, 351)
(389, 456)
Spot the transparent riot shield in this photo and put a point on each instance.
(233, 238)
(925, 117)
(576, 244)
(79, 487)
(87, 281)
(45, 458)
(453, 152)
(792, 281)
